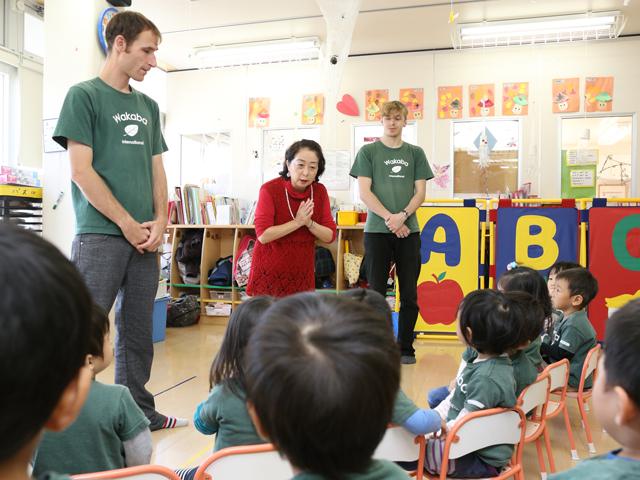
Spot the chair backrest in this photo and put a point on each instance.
(399, 445)
(470, 433)
(590, 364)
(142, 472)
(558, 374)
(245, 463)
(535, 395)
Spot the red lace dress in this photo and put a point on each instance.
(286, 265)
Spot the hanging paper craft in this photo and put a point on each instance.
(449, 102)
(348, 106)
(312, 109)
(481, 100)
(259, 112)
(598, 96)
(373, 101)
(413, 99)
(566, 95)
(441, 172)
(484, 142)
(515, 98)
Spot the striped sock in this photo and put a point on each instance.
(175, 422)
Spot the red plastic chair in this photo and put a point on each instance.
(400, 445)
(142, 472)
(245, 463)
(559, 374)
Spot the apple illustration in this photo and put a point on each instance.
(438, 301)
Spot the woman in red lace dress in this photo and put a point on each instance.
(292, 212)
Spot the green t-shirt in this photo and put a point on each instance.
(576, 335)
(533, 352)
(403, 408)
(53, 476)
(481, 385)
(379, 470)
(393, 173)
(226, 414)
(610, 466)
(94, 442)
(123, 130)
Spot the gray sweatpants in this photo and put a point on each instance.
(114, 271)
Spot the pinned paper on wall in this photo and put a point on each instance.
(582, 157)
(413, 99)
(482, 100)
(598, 95)
(373, 101)
(566, 95)
(582, 178)
(515, 98)
(336, 171)
(313, 109)
(259, 112)
(449, 102)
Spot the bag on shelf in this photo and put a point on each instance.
(325, 266)
(352, 263)
(244, 255)
(188, 255)
(221, 274)
(183, 311)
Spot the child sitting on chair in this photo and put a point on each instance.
(616, 400)
(322, 376)
(572, 336)
(111, 431)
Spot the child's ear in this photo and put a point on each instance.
(577, 300)
(627, 409)
(256, 421)
(89, 362)
(70, 402)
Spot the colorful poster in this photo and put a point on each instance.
(578, 173)
(259, 112)
(482, 100)
(614, 259)
(566, 95)
(449, 102)
(450, 264)
(413, 99)
(515, 98)
(313, 109)
(535, 237)
(598, 94)
(373, 101)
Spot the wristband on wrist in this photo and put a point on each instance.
(406, 215)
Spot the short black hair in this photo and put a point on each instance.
(99, 327)
(496, 320)
(293, 150)
(45, 310)
(581, 282)
(622, 354)
(558, 267)
(525, 279)
(374, 299)
(323, 373)
(227, 364)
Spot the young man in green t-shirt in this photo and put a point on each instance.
(119, 189)
(616, 400)
(392, 177)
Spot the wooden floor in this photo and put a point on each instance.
(179, 381)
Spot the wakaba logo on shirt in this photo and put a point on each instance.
(131, 130)
(397, 163)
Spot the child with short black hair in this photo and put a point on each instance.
(616, 400)
(111, 431)
(43, 346)
(573, 335)
(322, 375)
(555, 269)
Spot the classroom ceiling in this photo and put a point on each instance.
(382, 25)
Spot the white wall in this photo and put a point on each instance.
(210, 100)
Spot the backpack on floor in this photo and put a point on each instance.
(183, 311)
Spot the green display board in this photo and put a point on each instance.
(579, 173)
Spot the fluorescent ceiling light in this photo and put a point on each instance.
(564, 28)
(272, 51)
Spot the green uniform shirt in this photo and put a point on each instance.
(403, 408)
(53, 476)
(533, 352)
(610, 466)
(576, 335)
(379, 470)
(123, 130)
(226, 414)
(393, 173)
(482, 385)
(94, 442)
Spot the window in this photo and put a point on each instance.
(33, 35)
(486, 157)
(5, 110)
(205, 159)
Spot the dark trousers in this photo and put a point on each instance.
(380, 250)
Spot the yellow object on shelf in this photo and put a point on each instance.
(20, 191)
(347, 217)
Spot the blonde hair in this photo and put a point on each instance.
(394, 106)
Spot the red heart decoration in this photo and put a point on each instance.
(348, 106)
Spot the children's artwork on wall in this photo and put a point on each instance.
(482, 100)
(566, 95)
(449, 102)
(373, 101)
(259, 112)
(348, 106)
(598, 94)
(413, 99)
(313, 109)
(441, 175)
(515, 98)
